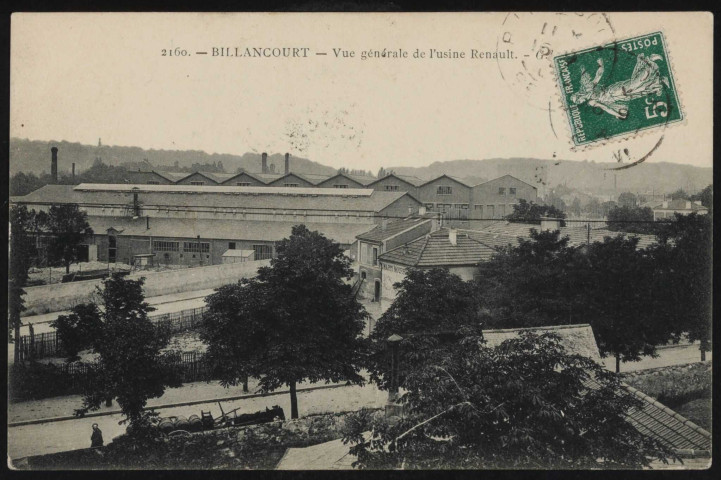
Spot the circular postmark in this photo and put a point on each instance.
(536, 38)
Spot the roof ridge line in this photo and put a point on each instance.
(667, 410)
(423, 249)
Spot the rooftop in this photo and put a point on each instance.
(507, 233)
(190, 196)
(381, 233)
(230, 229)
(436, 250)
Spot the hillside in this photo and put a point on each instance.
(589, 177)
(33, 156)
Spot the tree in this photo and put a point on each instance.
(432, 307)
(21, 253)
(528, 284)
(575, 207)
(522, 404)
(685, 275)
(295, 321)
(706, 198)
(69, 227)
(627, 199)
(132, 367)
(525, 212)
(78, 330)
(624, 218)
(607, 284)
(612, 283)
(680, 194)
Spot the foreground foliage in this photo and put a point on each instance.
(131, 366)
(522, 404)
(295, 321)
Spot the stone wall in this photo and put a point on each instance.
(63, 296)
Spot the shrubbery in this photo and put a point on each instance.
(674, 386)
(37, 380)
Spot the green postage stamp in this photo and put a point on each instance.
(618, 89)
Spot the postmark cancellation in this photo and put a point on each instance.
(619, 89)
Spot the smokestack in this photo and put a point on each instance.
(264, 162)
(287, 163)
(54, 164)
(136, 205)
(73, 172)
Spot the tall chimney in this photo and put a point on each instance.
(73, 173)
(264, 162)
(287, 163)
(54, 164)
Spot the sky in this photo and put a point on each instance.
(80, 77)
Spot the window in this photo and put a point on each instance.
(153, 182)
(163, 246)
(243, 184)
(375, 255)
(231, 245)
(512, 190)
(290, 184)
(444, 190)
(341, 186)
(199, 247)
(263, 252)
(490, 211)
(501, 190)
(430, 207)
(479, 209)
(392, 188)
(197, 183)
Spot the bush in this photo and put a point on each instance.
(676, 385)
(37, 380)
(78, 330)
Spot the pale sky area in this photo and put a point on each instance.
(78, 77)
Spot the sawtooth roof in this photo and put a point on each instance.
(436, 250)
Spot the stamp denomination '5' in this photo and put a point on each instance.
(618, 89)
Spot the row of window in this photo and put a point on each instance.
(262, 252)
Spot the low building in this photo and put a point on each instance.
(452, 249)
(238, 256)
(669, 208)
(372, 244)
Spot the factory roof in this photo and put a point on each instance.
(191, 196)
(381, 233)
(230, 229)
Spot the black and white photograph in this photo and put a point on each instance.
(360, 241)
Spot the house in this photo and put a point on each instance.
(668, 208)
(382, 238)
(447, 248)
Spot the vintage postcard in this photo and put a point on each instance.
(343, 241)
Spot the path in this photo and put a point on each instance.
(54, 437)
(667, 355)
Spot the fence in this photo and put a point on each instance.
(43, 345)
(36, 381)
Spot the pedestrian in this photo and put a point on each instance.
(96, 439)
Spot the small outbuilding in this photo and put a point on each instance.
(238, 256)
